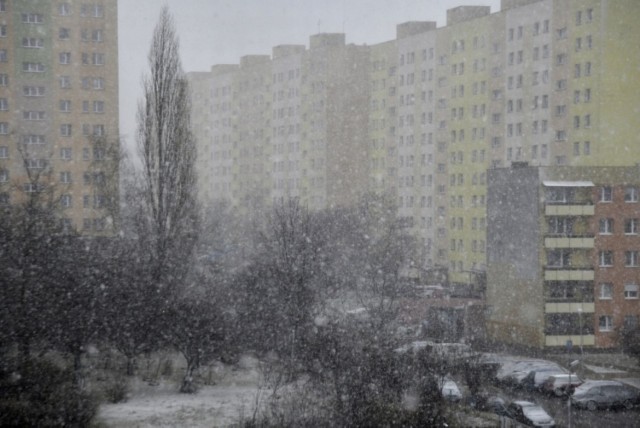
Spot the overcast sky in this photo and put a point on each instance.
(221, 31)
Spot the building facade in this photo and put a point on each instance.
(59, 107)
(426, 116)
(563, 253)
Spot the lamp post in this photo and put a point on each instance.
(571, 366)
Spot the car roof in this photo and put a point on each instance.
(523, 403)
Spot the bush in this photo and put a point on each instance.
(117, 389)
(40, 394)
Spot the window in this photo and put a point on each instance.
(65, 130)
(66, 201)
(65, 82)
(561, 33)
(3, 5)
(33, 139)
(606, 194)
(97, 58)
(96, 36)
(4, 79)
(4, 175)
(86, 154)
(558, 258)
(631, 194)
(92, 10)
(65, 177)
(4, 104)
(98, 106)
(35, 163)
(631, 226)
(631, 258)
(98, 130)
(606, 258)
(4, 152)
(65, 106)
(98, 83)
(606, 226)
(586, 148)
(33, 187)
(65, 57)
(605, 323)
(606, 291)
(32, 42)
(631, 291)
(33, 67)
(65, 153)
(4, 128)
(98, 154)
(64, 33)
(33, 115)
(64, 9)
(3, 31)
(32, 18)
(33, 91)
(630, 322)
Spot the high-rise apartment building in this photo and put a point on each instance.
(59, 106)
(426, 116)
(563, 255)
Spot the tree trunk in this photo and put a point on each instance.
(188, 385)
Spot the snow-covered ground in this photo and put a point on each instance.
(220, 405)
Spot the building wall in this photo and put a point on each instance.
(545, 82)
(60, 80)
(515, 293)
(580, 294)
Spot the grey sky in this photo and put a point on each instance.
(221, 31)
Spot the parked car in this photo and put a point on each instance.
(450, 391)
(536, 377)
(561, 384)
(605, 394)
(515, 373)
(497, 405)
(530, 414)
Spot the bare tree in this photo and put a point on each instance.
(168, 153)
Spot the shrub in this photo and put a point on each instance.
(117, 389)
(40, 394)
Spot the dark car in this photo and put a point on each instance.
(536, 377)
(561, 384)
(530, 414)
(605, 394)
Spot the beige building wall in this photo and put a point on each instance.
(60, 71)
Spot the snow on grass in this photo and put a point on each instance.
(162, 405)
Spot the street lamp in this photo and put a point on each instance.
(571, 366)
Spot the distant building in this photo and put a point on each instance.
(426, 116)
(563, 255)
(59, 106)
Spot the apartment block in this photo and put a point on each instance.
(426, 116)
(59, 106)
(563, 267)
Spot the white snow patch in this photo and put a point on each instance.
(162, 405)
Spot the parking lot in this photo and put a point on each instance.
(557, 407)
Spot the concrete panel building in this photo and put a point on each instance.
(426, 116)
(59, 107)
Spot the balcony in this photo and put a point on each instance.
(568, 242)
(562, 273)
(576, 340)
(570, 209)
(569, 307)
